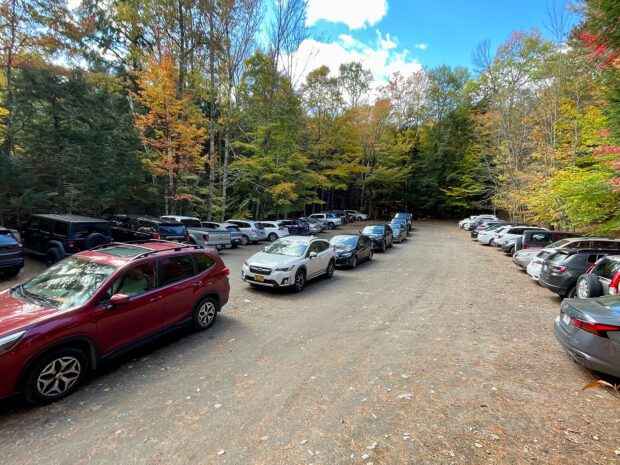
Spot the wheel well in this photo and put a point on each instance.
(214, 295)
(83, 344)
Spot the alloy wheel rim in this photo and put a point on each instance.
(299, 280)
(206, 314)
(582, 290)
(59, 376)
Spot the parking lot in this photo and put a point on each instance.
(437, 351)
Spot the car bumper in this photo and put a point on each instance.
(533, 269)
(344, 261)
(560, 284)
(11, 264)
(521, 262)
(274, 279)
(593, 352)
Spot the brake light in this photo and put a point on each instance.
(70, 244)
(558, 269)
(595, 328)
(614, 285)
(156, 236)
(526, 246)
(226, 271)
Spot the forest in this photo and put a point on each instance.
(192, 107)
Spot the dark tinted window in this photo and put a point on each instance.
(191, 223)
(538, 238)
(33, 223)
(581, 245)
(135, 281)
(45, 225)
(606, 269)
(605, 245)
(177, 268)
(84, 229)
(60, 228)
(322, 246)
(593, 258)
(203, 262)
(175, 229)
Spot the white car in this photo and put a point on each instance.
(251, 231)
(487, 237)
(513, 232)
(274, 230)
(331, 219)
(535, 265)
(359, 216)
(290, 262)
(467, 221)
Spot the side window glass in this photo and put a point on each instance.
(314, 247)
(177, 268)
(203, 262)
(147, 226)
(45, 225)
(33, 223)
(60, 228)
(137, 280)
(592, 258)
(323, 246)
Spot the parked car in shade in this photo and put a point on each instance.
(251, 231)
(402, 221)
(346, 217)
(487, 236)
(235, 233)
(486, 225)
(603, 278)
(464, 223)
(93, 306)
(589, 330)
(201, 235)
(513, 233)
(11, 252)
(55, 237)
(140, 228)
(399, 230)
(408, 217)
(316, 226)
(290, 262)
(275, 230)
(562, 268)
(330, 219)
(533, 268)
(538, 239)
(296, 227)
(381, 235)
(359, 216)
(351, 249)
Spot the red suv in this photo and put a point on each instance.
(57, 327)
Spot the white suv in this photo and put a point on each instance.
(274, 230)
(290, 262)
(252, 231)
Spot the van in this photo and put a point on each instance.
(534, 239)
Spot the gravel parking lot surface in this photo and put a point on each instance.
(437, 352)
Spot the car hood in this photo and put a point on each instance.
(604, 310)
(16, 313)
(342, 250)
(271, 260)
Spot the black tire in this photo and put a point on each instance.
(300, 280)
(330, 226)
(329, 272)
(391, 244)
(94, 240)
(272, 237)
(588, 286)
(205, 313)
(245, 240)
(353, 261)
(383, 247)
(43, 387)
(11, 272)
(571, 292)
(491, 243)
(370, 255)
(52, 256)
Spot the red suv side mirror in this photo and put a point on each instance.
(119, 299)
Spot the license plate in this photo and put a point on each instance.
(566, 319)
(259, 278)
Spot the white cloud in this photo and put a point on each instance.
(383, 59)
(422, 46)
(354, 13)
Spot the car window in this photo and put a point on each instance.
(605, 245)
(539, 238)
(605, 269)
(176, 268)
(259, 226)
(593, 258)
(173, 229)
(33, 223)
(135, 281)
(121, 222)
(86, 228)
(191, 223)
(147, 226)
(45, 225)
(373, 230)
(314, 247)
(203, 262)
(60, 228)
(322, 246)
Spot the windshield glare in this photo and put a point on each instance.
(373, 230)
(344, 241)
(70, 283)
(288, 248)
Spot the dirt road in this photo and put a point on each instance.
(437, 352)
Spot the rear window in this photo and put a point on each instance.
(203, 262)
(60, 228)
(177, 268)
(190, 223)
(538, 238)
(174, 229)
(84, 229)
(557, 258)
(232, 228)
(560, 243)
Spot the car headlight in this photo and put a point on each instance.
(9, 342)
(346, 254)
(287, 268)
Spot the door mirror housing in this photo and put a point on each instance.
(118, 299)
(312, 255)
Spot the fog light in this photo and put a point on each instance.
(285, 281)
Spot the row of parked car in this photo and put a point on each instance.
(54, 237)
(96, 304)
(584, 270)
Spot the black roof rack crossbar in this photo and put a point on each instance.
(177, 246)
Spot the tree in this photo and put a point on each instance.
(355, 81)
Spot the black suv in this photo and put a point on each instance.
(11, 252)
(562, 268)
(136, 228)
(58, 236)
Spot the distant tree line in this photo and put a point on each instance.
(161, 106)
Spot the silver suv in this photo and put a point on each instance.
(290, 262)
(251, 231)
(330, 219)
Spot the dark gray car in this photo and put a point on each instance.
(589, 330)
(400, 231)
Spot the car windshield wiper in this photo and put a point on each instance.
(33, 296)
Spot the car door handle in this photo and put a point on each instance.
(197, 284)
(155, 299)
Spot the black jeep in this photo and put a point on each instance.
(58, 236)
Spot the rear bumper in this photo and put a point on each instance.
(590, 351)
(11, 264)
(557, 284)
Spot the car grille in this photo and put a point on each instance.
(260, 270)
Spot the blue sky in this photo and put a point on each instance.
(404, 35)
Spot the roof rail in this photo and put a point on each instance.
(177, 246)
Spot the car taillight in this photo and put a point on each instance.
(559, 269)
(595, 328)
(226, 272)
(156, 236)
(614, 285)
(70, 244)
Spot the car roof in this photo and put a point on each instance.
(119, 254)
(345, 235)
(64, 217)
(181, 216)
(153, 219)
(302, 239)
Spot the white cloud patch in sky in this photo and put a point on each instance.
(356, 14)
(382, 58)
(422, 46)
